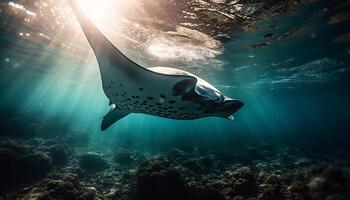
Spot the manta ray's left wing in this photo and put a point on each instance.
(111, 117)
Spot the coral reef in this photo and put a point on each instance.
(124, 157)
(156, 179)
(92, 161)
(20, 164)
(46, 168)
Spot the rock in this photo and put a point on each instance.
(208, 194)
(139, 157)
(262, 151)
(332, 182)
(244, 182)
(297, 189)
(39, 163)
(262, 166)
(176, 155)
(225, 157)
(192, 164)
(302, 162)
(199, 165)
(298, 186)
(337, 197)
(243, 159)
(270, 186)
(21, 165)
(316, 183)
(239, 198)
(58, 154)
(266, 150)
(268, 35)
(270, 192)
(289, 150)
(68, 188)
(207, 162)
(252, 152)
(286, 161)
(123, 157)
(93, 162)
(157, 180)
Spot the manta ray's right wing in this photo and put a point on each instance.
(117, 67)
(112, 61)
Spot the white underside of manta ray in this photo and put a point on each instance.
(160, 91)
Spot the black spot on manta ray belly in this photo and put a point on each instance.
(172, 101)
(155, 106)
(199, 108)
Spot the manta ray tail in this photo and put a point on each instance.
(111, 117)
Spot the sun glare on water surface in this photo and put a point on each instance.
(97, 10)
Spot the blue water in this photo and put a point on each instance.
(295, 89)
(288, 61)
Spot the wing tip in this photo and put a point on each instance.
(103, 128)
(112, 117)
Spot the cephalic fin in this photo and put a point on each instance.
(231, 117)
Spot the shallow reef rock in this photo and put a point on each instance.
(297, 189)
(176, 155)
(207, 194)
(156, 179)
(67, 188)
(21, 164)
(244, 183)
(124, 157)
(93, 162)
(49, 169)
(270, 187)
(332, 184)
(58, 154)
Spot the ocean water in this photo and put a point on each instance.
(288, 61)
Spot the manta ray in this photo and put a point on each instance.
(160, 91)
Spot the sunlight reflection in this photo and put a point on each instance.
(22, 8)
(97, 10)
(168, 50)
